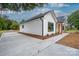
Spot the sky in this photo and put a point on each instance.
(60, 9)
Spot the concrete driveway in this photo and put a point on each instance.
(15, 44)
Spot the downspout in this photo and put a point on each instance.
(42, 26)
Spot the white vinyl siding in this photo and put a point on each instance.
(49, 18)
(33, 27)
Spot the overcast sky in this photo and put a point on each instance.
(60, 9)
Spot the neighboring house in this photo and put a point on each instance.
(42, 25)
(63, 20)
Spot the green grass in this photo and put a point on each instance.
(1, 31)
(0, 34)
(72, 31)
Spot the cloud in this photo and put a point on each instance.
(57, 11)
(59, 5)
(38, 10)
(62, 5)
(60, 13)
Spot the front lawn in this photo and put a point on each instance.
(1, 31)
(72, 31)
(0, 34)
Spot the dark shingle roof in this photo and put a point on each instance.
(36, 17)
(61, 19)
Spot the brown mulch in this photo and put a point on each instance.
(38, 36)
(71, 40)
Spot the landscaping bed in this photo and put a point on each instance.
(38, 36)
(72, 40)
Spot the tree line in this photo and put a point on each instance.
(7, 24)
(19, 6)
(73, 19)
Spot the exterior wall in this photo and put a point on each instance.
(60, 27)
(48, 18)
(33, 27)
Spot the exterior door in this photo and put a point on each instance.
(59, 27)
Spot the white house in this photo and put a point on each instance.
(42, 25)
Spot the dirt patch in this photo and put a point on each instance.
(71, 40)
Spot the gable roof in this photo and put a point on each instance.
(36, 17)
(61, 19)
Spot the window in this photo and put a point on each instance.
(22, 26)
(50, 27)
(62, 27)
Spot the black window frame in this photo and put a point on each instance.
(22, 26)
(50, 27)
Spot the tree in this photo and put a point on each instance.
(2, 23)
(14, 25)
(19, 6)
(73, 19)
(7, 24)
(22, 21)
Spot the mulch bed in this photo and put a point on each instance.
(72, 40)
(38, 36)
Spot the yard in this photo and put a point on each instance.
(71, 40)
(1, 33)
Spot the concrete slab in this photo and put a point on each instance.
(51, 40)
(58, 50)
(15, 44)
